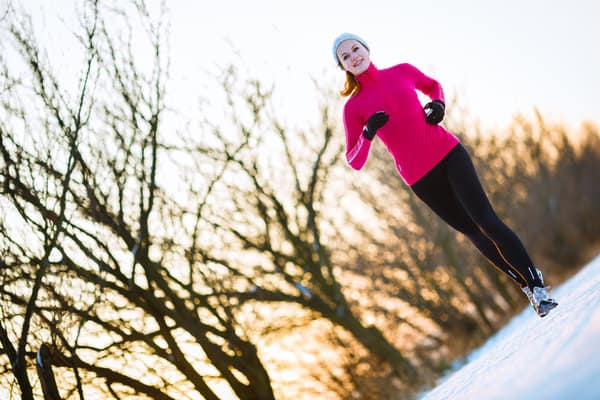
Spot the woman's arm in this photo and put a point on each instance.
(357, 146)
(424, 83)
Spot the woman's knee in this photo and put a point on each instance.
(492, 225)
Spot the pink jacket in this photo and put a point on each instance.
(415, 145)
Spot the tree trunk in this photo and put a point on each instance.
(44, 370)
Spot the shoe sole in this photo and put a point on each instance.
(546, 307)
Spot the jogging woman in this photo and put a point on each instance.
(431, 160)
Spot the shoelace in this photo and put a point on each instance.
(547, 297)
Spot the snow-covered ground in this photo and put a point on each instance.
(556, 357)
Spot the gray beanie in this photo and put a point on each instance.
(346, 36)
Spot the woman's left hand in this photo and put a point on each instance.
(434, 112)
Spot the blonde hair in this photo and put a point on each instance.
(351, 86)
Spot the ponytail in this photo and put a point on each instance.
(351, 86)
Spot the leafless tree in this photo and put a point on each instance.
(279, 181)
(95, 270)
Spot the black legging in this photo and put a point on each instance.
(453, 191)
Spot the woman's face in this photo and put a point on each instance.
(353, 56)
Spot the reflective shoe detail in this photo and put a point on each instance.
(529, 295)
(539, 273)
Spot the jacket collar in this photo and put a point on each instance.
(369, 75)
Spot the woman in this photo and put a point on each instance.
(431, 160)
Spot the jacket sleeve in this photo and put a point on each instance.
(357, 147)
(425, 84)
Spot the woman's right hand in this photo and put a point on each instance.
(375, 121)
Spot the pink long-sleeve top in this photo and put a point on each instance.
(415, 145)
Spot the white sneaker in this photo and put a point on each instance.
(544, 301)
(540, 300)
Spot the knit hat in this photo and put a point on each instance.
(346, 36)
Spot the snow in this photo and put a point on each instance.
(556, 357)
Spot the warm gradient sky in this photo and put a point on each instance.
(499, 57)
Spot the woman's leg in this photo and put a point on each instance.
(435, 190)
(465, 184)
(492, 253)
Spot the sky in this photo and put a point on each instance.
(495, 59)
(499, 58)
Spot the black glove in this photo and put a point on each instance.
(375, 122)
(434, 112)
